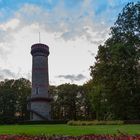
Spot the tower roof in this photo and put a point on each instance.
(39, 48)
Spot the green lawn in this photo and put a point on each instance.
(68, 130)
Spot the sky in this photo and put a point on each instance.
(73, 30)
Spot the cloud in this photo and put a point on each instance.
(10, 25)
(91, 53)
(72, 77)
(6, 73)
(62, 24)
(68, 24)
(7, 31)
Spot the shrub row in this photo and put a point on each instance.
(43, 122)
(132, 122)
(96, 122)
(17, 120)
(7, 120)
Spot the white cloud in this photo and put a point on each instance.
(70, 24)
(6, 73)
(70, 34)
(10, 25)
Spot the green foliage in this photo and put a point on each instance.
(13, 100)
(95, 122)
(28, 122)
(65, 99)
(126, 28)
(71, 102)
(116, 77)
(7, 102)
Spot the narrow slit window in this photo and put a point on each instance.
(37, 91)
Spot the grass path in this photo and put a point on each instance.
(68, 130)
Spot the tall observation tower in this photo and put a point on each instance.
(39, 103)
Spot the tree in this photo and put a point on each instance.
(54, 104)
(126, 27)
(23, 90)
(86, 102)
(13, 99)
(65, 102)
(116, 71)
(7, 103)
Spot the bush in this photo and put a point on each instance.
(132, 121)
(95, 122)
(7, 120)
(43, 122)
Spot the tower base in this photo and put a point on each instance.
(39, 109)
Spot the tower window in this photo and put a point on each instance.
(31, 115)
(37, 91)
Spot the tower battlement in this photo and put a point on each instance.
(39, 48)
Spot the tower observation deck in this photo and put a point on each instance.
(39, 102)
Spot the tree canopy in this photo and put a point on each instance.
(116, 71)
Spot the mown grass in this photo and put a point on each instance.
(68, 130)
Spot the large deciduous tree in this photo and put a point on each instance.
(116, 73)
(66, 101)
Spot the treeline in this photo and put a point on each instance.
(70, 102)
(113, 93)
(13, 100)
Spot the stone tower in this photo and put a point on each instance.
(39, 102)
